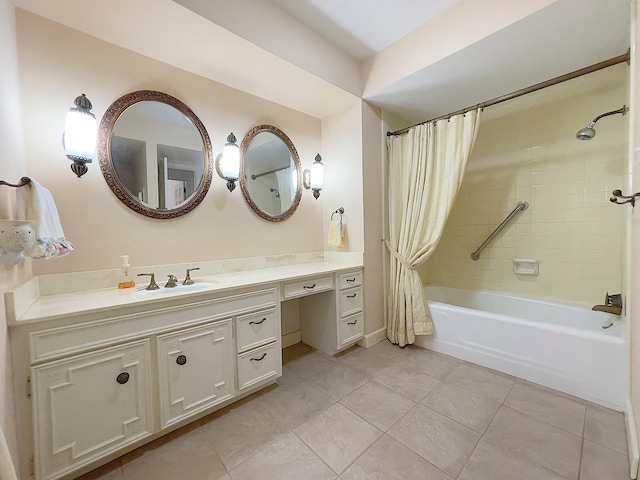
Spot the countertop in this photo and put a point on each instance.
(27, 304)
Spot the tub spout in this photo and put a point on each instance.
(608, 309)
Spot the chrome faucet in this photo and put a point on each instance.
(612, 304)
(152, 284)
(187, 279)
(171, 282)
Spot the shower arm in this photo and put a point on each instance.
(622, 110)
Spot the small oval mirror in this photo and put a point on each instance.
(270, 176)
(155, 154)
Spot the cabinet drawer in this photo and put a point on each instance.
(259, 365)
(308, 286)
(351, 329)
(350, 279)
(90, 405)
(195, 370)
(256, 329)
(350, 301)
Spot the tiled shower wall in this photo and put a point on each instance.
(526, 150)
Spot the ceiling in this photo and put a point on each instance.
(362, 28)
(414, 58)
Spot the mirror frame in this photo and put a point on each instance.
(108, 169)
(246, 141)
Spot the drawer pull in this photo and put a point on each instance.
(351, 280)
(309, 288)
(352, 296)
(122, 378)
(259, 359)
(353, 323)
(181, 360)
(257, 323)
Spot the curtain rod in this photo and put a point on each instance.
(518, 93)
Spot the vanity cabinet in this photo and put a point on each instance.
(89, 405)
(102, 385)
(195, 370)
(108, 371)
(345, 304)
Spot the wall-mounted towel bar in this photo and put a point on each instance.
(23, 181)
(523, 205)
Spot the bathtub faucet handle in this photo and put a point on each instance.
(614, 300)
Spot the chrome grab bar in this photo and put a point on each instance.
(523, 205)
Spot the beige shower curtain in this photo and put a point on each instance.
(426, 166)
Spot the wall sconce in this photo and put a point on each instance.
(228, 164)
(79, 137)
(314, 179)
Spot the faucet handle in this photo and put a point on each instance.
(171, 282)
(152, 284)
(187, 278)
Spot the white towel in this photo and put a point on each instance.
(36, 203)
(335, 233)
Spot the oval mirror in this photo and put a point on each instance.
(155, 154)
(270, 173)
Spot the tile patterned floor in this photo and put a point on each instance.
(389, 413)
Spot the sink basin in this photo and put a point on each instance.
(177, 289)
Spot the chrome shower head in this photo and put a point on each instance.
(588, 132)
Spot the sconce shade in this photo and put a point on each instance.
(80, 135)
(317, 176)
(230, 162)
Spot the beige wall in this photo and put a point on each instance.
(12, 167)
(57, 64)
(526, 150)
(373, 146)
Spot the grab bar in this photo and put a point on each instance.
(523, 205)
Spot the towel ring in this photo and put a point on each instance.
(339, 211)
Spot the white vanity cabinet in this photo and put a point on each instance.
(195, 370)
(345, 304)
(89, 405)
(104, 383)
(98, 373)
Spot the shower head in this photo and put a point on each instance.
(588, 132)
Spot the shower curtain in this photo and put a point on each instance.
(426, 166)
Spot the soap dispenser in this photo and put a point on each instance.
(126, 278)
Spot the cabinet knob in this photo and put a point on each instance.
(122, 378)
(181, 360)
(258, 323)
(259, 359)
(309, 288)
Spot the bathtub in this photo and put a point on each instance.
(559, 346)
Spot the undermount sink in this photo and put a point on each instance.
(177, 289)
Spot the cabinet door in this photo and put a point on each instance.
(195, 370)
(90, 405)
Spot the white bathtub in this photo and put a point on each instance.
(559, 346)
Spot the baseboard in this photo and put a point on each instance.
(291, 339)
(373, 338)
(632, 441)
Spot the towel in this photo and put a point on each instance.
(36, 203)
(335, 233)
